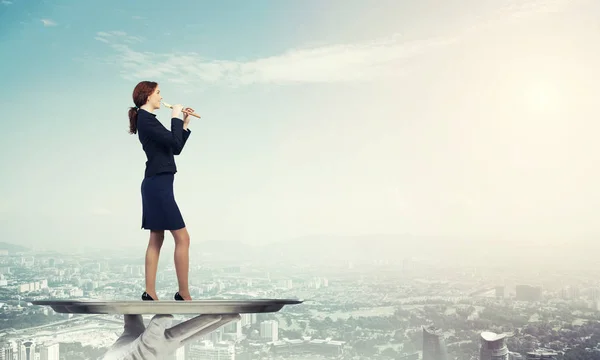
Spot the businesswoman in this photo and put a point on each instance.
(159, 208)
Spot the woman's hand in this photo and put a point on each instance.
(176, 110)
(187, 115)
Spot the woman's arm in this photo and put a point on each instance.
(175, 139)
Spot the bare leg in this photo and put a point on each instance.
(182, 260)
(152, 254)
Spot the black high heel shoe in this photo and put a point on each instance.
(147, 297)
(178, 297)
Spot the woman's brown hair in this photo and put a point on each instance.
(141, 93)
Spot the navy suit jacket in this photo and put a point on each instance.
(160, 144)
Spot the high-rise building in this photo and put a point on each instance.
(493, 346)
(500, 292)
(8, 351)
(233, 330)
(528, 293)
(50, 352)
(434, 346)
(27, 350)
(269, 330)
(214, 336)
(248, 319)
(206, 350)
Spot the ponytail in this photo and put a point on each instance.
(141, 93)
(133, 112)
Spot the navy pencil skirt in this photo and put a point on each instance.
(159, 209)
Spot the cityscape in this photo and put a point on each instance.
(406, 309)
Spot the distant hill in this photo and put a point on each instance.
(375, 246)
(12, 248)
(323, 248)
(219, 246)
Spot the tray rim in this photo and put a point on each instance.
(208, 307)
(247, 302)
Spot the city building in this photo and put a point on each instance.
(493, 346)
(434, 346)
(542, 354)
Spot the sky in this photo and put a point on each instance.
(472, 119)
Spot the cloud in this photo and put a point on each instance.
(6, 2)
(334, 63)
(366, 61)
(117, 37)
(48, 22)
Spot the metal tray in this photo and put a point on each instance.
(167, 306)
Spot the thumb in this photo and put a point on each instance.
(157, 326)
